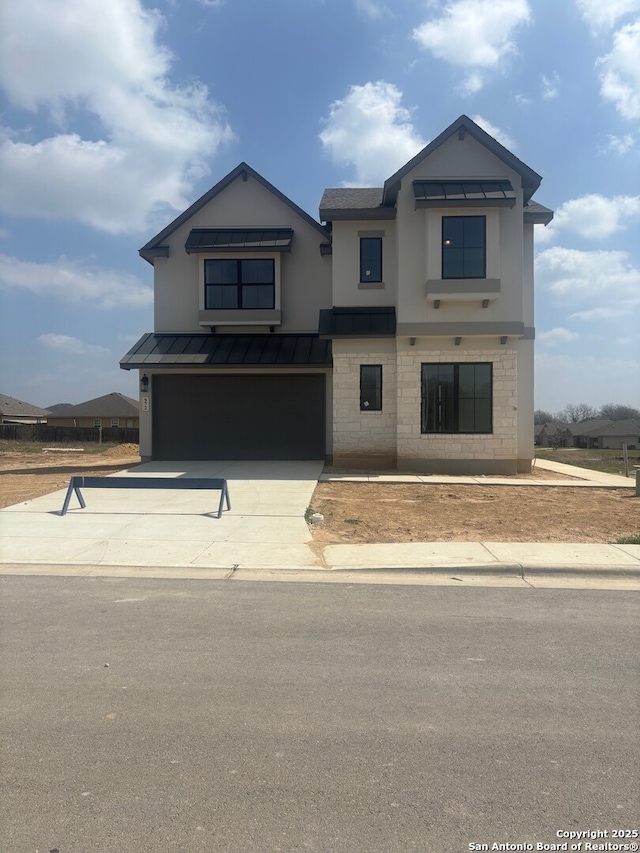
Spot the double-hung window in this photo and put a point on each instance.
(370, 259)
(370, 387)
(457, 398)
(464, 246)
(233, 284)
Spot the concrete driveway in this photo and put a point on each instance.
(265, 526)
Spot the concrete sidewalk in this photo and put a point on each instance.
(265, 531)
(579, 478)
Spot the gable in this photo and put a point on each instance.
(242, 199)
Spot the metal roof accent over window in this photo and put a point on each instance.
(357, 322)
(496, 193)
(239, 240)
(190, 351)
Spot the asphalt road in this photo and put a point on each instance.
(167, 715)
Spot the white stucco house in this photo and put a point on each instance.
(397, 331)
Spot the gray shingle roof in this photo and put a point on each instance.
(10, 407)
(109, 406)
(348, 198)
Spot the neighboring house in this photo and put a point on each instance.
(613, 434)
(584, 434)
(399, 333)
(14, 411)
(112, 410)
(551, 434)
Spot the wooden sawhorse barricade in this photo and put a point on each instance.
(77, 483)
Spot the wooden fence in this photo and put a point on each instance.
(68, 434)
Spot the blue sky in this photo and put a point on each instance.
(118, 115)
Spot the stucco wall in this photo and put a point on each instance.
(305, 274)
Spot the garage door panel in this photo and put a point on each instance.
(239, 417)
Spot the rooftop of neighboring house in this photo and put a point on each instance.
(615, 428)
(10, 407)
(113, 405)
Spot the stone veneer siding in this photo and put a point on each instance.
(501, 445)
(393, 436)
(367, 436)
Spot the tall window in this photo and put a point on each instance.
(457, 398)
(370, 259)
(232, 284)
(370, 387)
(464, 246)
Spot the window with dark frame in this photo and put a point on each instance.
(370, 387)
(464, 246)
(242, 283)
(457, 398)
(370, 259)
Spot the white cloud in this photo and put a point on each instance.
(372, 131)
(75, 282)
(473, 34)
(601, 313)
(620, 72)
(619, 144)
(593, 216)
(558, 336)
(373, 9)
(601, 278)
(603, 14)
(101, 66)
(67, 344)
(498, 134)
(550, 86)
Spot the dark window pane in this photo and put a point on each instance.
(257, 296)
(249, 272)
(466, 381)
(452, 262)
(371, 387)
(452, 231)
(370, 259)
(463, 246)
(265, 272)
(220, 272)
(474, 227)
(474, 263)
(217, 296)
(466, 416)
(483, 416)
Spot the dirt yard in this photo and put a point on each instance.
(365, 512)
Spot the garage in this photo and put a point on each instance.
(240, 416)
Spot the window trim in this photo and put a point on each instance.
(365, 405)
(446, 277)
(371, 279)
(456, 398)
(115, 423)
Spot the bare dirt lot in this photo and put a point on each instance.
(369, 512)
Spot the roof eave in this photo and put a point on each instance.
(337, 214)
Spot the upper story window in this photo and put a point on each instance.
(233, 284)
(464, 246)
(371, 259)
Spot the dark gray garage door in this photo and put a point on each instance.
(239, 417)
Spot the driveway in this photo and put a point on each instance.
(265, 526)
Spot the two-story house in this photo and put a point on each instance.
(399, 333)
